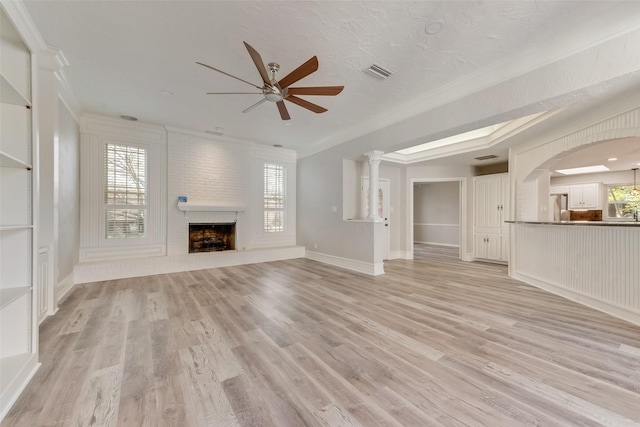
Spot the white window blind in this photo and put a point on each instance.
(125, 191)
(274, 198)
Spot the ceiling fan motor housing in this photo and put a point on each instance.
(272, 93)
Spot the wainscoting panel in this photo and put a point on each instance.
(594, 265)
(122, 268)
(43, 282)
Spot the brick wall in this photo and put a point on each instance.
(217, 171)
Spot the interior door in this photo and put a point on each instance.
(384, 208)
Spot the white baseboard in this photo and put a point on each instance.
(347, 263)
(613, 310)
(121, 269)
(63, 288)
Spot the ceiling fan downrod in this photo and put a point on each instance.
(272, 92)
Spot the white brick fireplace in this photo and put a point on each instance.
(223, 182)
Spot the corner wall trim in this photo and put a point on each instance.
(372, 269)
(63, 288)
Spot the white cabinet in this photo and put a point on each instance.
(584, 196)
(18, 318)
(491, 210)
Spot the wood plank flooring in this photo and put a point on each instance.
(434, 342)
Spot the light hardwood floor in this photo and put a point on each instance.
(295, 343)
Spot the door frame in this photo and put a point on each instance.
(462, 196)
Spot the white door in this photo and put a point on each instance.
(487, 201)
(384, 208)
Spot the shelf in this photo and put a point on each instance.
(10, 95)
(208, 207)
(8, 161)
(15, 370)
(7, 296)
(16, 227)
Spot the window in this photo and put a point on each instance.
(274, 198)
(623, 202)
(125, 191)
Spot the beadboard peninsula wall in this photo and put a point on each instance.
(595, 264)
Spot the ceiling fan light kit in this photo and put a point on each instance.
(279, 91)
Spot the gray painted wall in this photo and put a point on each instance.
(436, 213)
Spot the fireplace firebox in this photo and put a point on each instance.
(212, 237)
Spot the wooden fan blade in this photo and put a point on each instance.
(259, 63)
(234, 93)
(299, 73)
(306, 104)
(255, 105)
(284, 114)
(227, 74)
(317, 90)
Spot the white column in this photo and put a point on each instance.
(49, 63)
(374, 172)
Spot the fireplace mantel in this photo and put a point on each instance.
(209, 207)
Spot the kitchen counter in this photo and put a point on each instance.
(587, 223)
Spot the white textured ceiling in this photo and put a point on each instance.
(626, 152)
(121, 54)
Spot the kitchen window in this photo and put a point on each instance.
(623, 202)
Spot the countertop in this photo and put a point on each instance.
(587, 223)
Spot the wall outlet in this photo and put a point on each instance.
(334, 209)
(315, 246)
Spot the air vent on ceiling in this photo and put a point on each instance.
(488, 157)
(377, 71)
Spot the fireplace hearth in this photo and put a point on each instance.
(212, 237)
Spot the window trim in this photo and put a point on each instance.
(95, 131)
(281, 209)
(606, 210)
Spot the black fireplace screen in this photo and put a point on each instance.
(212, 237)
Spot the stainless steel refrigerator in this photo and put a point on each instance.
(558, 205)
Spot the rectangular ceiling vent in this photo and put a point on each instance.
(488, 157)
(377, 71)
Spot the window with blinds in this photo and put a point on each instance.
(274, 198)
(125, 191)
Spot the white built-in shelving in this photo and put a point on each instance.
(18, 195)
(8, 161)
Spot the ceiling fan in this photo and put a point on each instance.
(279, 91)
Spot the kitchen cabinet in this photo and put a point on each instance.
(18, 191)
(491, 210)
(488, 246)
(584, 196)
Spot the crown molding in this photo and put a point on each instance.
(21, 20)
